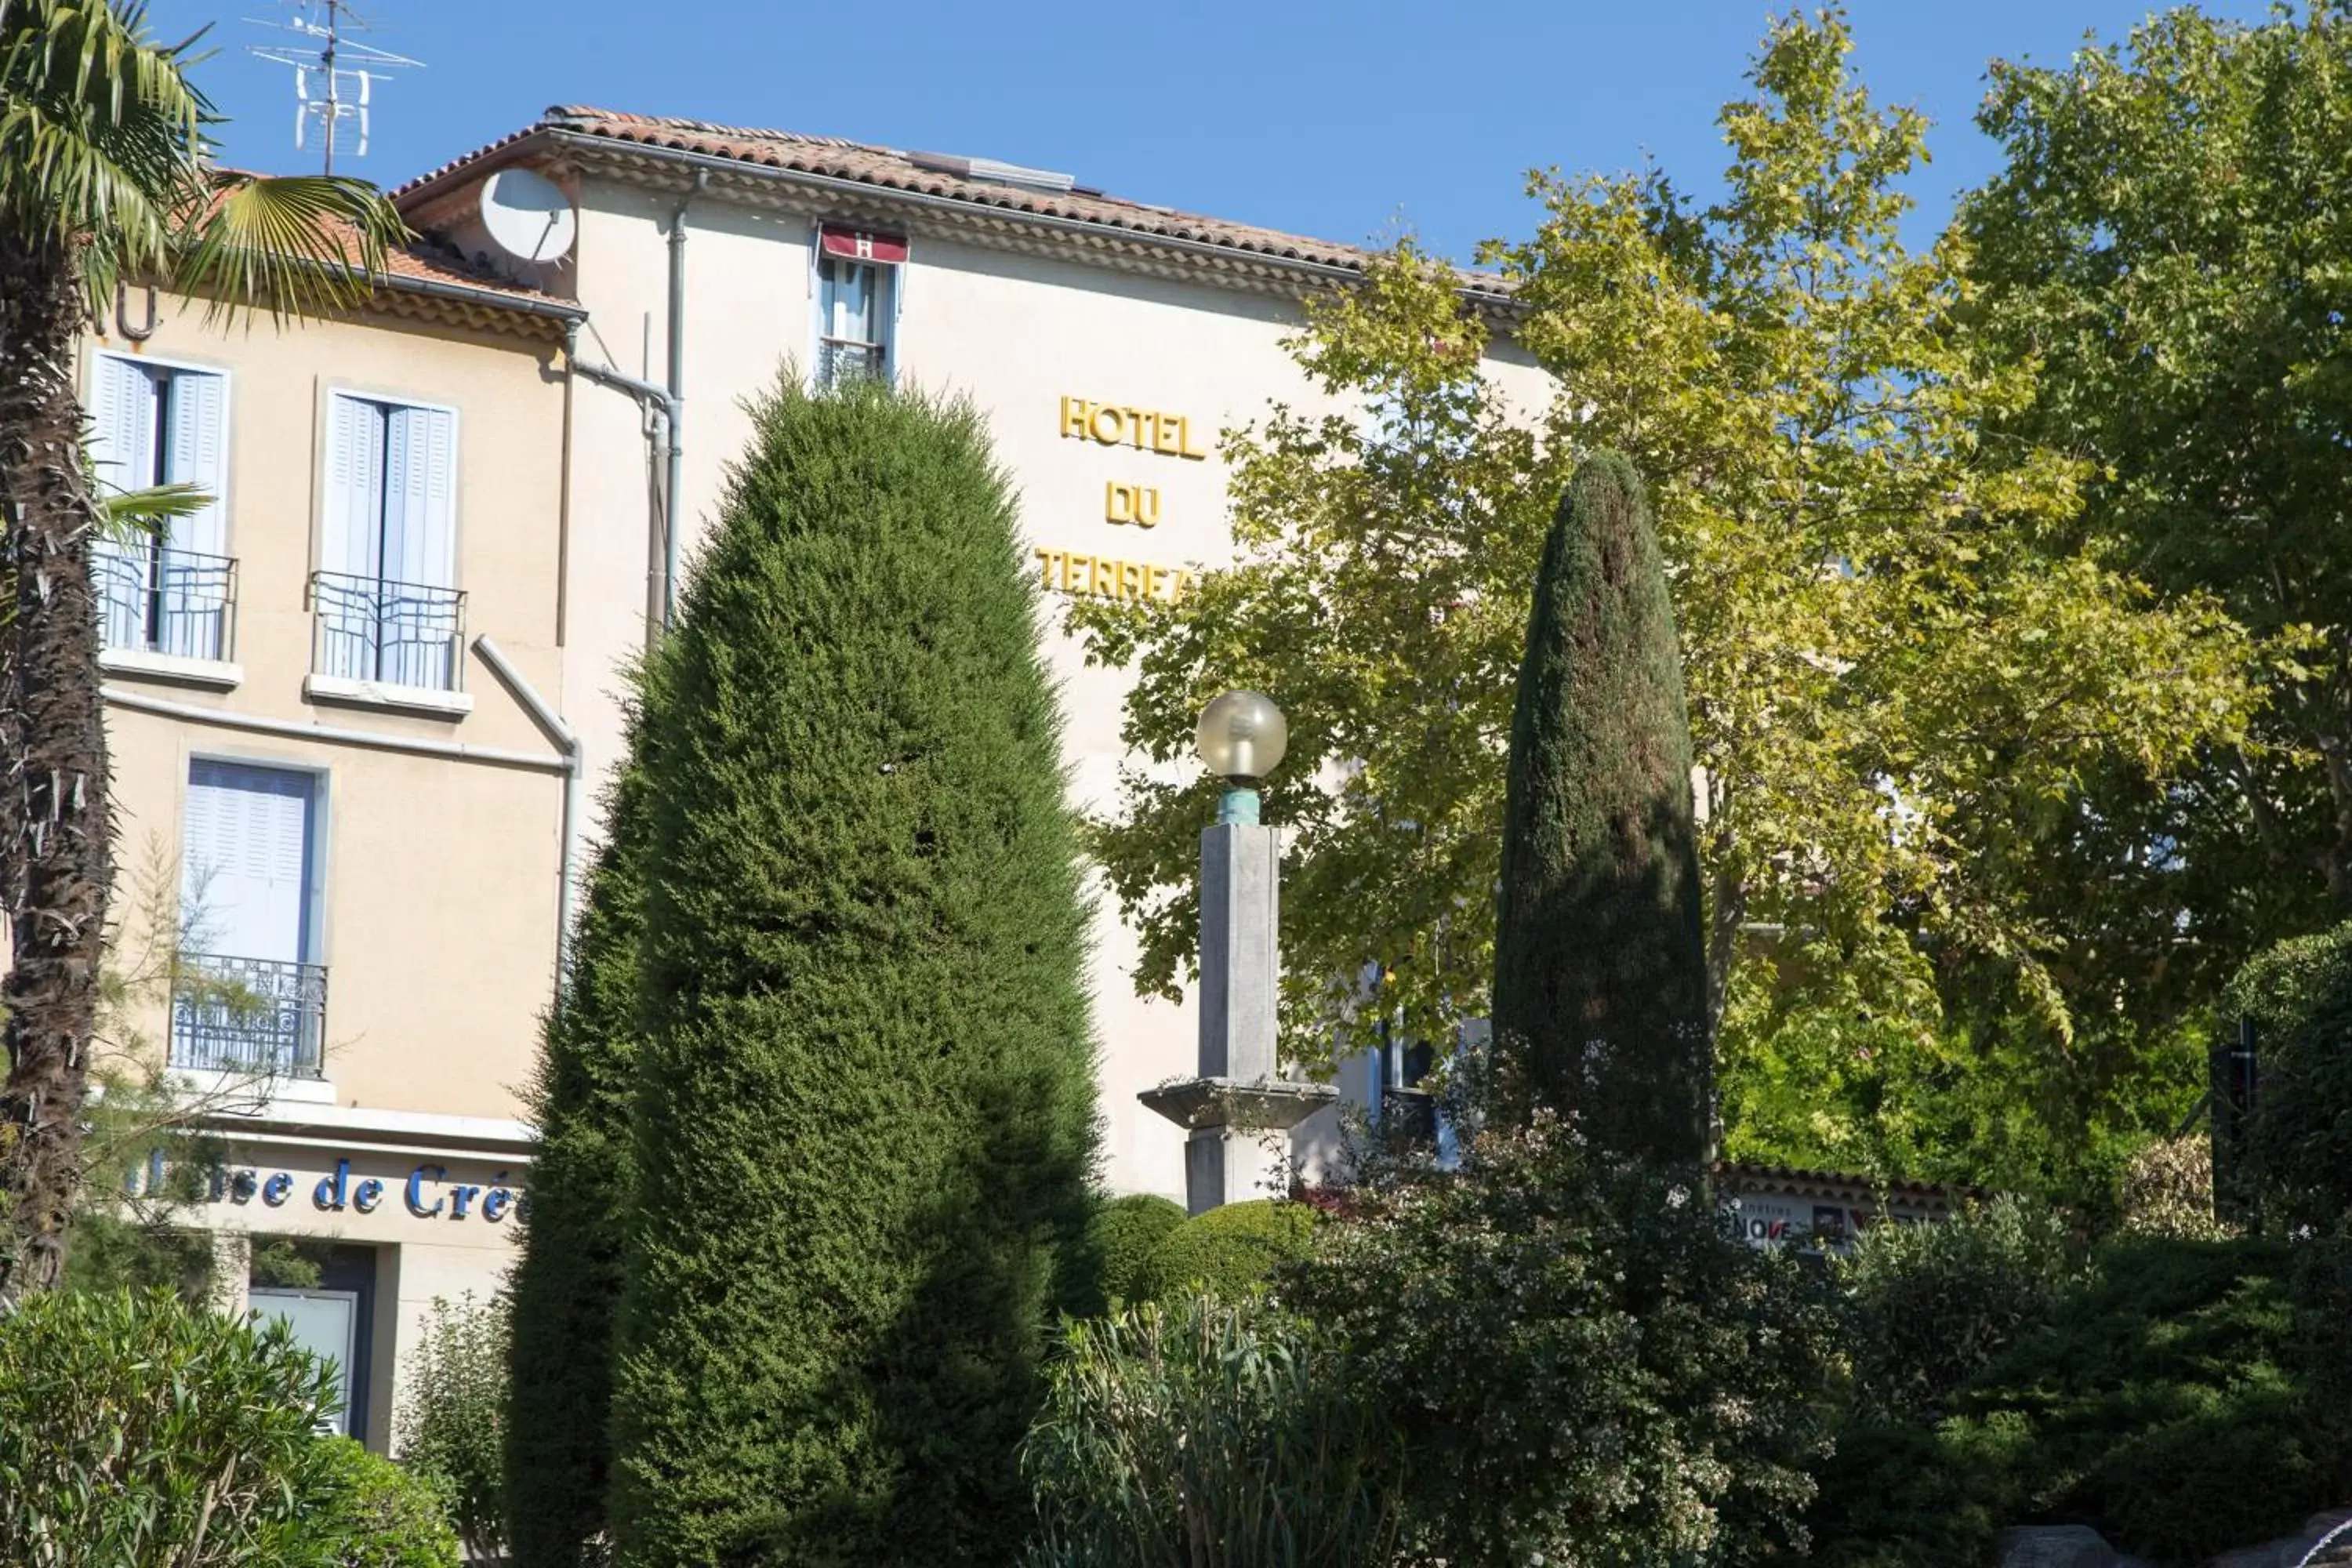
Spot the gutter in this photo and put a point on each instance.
(488, 298)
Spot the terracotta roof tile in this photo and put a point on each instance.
(888, 169)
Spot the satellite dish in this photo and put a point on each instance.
(528, 215)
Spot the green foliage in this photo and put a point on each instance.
(1584, 1366)
(566, 1286)
(136, 1430)
(384, 1516)
(1206, 1431)
(2299, 1139)
(2166, 1403)
(1933, 1304)
(1882, 619)
(1122, 1239)
(2166, 247)
(451, 1427)
(1230, 1251)
(1600, 960)
(866, 1117)
(2182, 1398)
(2168, 1191)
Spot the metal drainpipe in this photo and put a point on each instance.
(572, 763)
(663, 409)
(576, 769)
(677, 396)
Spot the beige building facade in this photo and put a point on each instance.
(341, 778)
(359, 708)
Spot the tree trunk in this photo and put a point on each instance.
(55, 838)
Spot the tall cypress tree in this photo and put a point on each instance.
(1600, 957)
(567, 1284)
(866, 1122)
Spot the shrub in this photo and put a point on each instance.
(451, 1428)
(1230, 1250)
(1122, 1239)
(567, 1282)
(1584, 1366)
(1202, 1430)
(382, 1515)
(2166, 1402)
(137, 1430)
(1934, 1303)
(2299, 1139)
(1599, 956)
(2168, 1191)
(866, 1111)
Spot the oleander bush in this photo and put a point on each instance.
(136, 1430)
(1207, 1430)
(1229, 1251)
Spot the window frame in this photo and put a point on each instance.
(891, 278)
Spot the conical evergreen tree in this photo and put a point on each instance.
(567, 1284)
(866, 1122)
(1599, 956)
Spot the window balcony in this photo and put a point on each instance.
(253, 1016)
(840, 361)
(370, 634)
(172, 604)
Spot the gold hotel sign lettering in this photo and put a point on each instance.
(1152, 430)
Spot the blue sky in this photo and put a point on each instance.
(1339, 121)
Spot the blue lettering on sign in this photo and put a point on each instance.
(417, 1180)
(331, 1192)
(274, 1191)
(367, 1195)
(494, 1203)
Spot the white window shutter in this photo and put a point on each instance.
(352, 537)
(123, 423)
(420, 504)
(198, 445)
(245, 861)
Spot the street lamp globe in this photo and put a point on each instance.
(1242, 736)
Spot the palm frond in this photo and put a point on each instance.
(291, 245)
(150, 512)
(98, 123)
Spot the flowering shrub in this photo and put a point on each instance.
(1582, 1365)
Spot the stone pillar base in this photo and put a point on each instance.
(1228, 1165)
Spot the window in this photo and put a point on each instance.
(245, 996)
(386, 604)
(857, 301)
(172, 593)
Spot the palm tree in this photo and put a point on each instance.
(105, 176)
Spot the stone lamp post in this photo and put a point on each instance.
(1238, 1114)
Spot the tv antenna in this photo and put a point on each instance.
(331, 73)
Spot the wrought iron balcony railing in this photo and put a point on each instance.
(254, 1015)
(158, 600)
(397, 634)
(842, 360)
